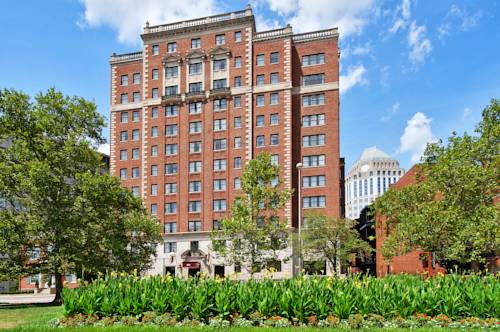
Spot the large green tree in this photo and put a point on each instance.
(59, 202)
(254, 233)
(451, 209)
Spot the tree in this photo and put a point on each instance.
(451, 209)
(333, 239)
(254, 233)
(63, 214)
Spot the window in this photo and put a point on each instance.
(260, 80)
(220, 144)
(171, 130)
(195, 68)
(195, 147)
(220, 104)
(171, 168)
(237, 183)
(195, 87)
(274, 57)
(196, 43)
(259, 121)
(260, 60)
(313, 181)
(171, 149)
(172, 47)
(216, 224)
(220, 84)
(154, 113)
(124, 80)
(313, 59)
(155, 49)
(219, 184)
(172, 72)
(123, 174)
(135, 191)
(170, 227)
(194, 166)
(124, 98)
(237, 101)
(220, 164)
(123, 136)
(237, 81)
(313, 140)
(170, 188)
(220, 124)
(194, 206)
(237, 142)
(219, 205)
(220, 39)
(195, 127)
(237, 62)
(237, 36)
(237, 162)
(171, 110)
(170, 208)
(260, 100)
(194, 226)
(135, 153)
(274, 119)
(154, 151)
(136, 97)
(154, 170)
(273, 100)
(313, 79)
(135, 116)
(135, 134)
(275, 78)
(313, 202)
(195, 108)
(154, 131)
(313, 161)
(194, 186)
(169, 247)
(154, 209)
(275, 139)
(313, 120)
(123, 155)
(154, 190)
(136, 78)
(237, 122)
(275, 159)
(171, 90)
(259, 141)
(154, 74)
(220, 64)
(313, 100)
(124, 117)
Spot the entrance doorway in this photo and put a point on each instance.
(219, 271)
(194, 272)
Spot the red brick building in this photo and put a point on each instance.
(201, 99)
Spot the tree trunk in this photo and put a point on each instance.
(59, 285)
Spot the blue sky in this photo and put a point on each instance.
(411, 70)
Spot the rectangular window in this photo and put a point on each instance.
(314, 160)
(194, 226)
(259, 141)
(123, 136)
(194, 186)
(275, 78)
(195, 68)
(237, 162)
(237, 122)
(135, 135)
(172, 47)
(313, 100)
(314, 202)
(154, 113)
(194, 206)
(155, 50)
(275, 159)
(313, 79)
(169, 247)
(123, 174)
(237, 36)
(259, 80)
(220, 185)
(170, 227)
(123, 155)
(237, 101)
(135, 191)
(313, 140)
(220, 144)
(274, 119)
(135, 153)
(172, 72)
(195, 108)
(237, 183)
(237, 62)
(275, 139)
(136, 97)
(220, 39)
(259, 121)
(259, 60)
(313, 120)
(219, 205)
(135, 172)
(154, 190)
(274, 57)
(171, 130)
(124, 80)
(220, 104)
(136, 78)
(195, 127)
(170, 208)
(195, 43)
(171, 149)
(220, 65)
(154, 93)
(220, 124)
(124, 98)
(194, 166)
(135, 116)
(313, 59)
(220, 164)
(171, 110)
(170, 188)
(171, 168)
(195, 87)
(124, 117)
(154, 170)
(171, 90)
(220, 84)
(237, 142)
(237, 81)
(154, 74)
(154, 209)
(154, 151)
(195, 147)
(260, 100)
(273, 100)
(313, 181)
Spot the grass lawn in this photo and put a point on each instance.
(35, 318)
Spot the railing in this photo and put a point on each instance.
(316, 35)
(224, 91)
(270, 34)
(174, 97)
(126, 57)
(195, 94)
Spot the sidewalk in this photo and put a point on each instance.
(25, 298)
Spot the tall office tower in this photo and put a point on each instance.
(201, 99)
(369, 178)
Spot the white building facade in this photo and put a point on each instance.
(369, 177)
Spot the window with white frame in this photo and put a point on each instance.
(260, 79)
(220, 185)
(172, 71)
(260, 121)
(260, 100)
(195, 127)
(154, 209)
(313, 160)
(220, 104)
(169, 247)
(195, 68)
(124, 98)
(275, 78)
(313, 59)
(171, 130)
(260, 141)
(194, 166)
(237, 162)
(154, 170)
(274, 57)
(237, 183)
(219, 205)
(237, 62)
(237, 142)
(155, 49)
(170, 227)
(314, 202)
(274, 119)
(313, 79)
(259, 59)
(194, 225)
(171, 90)
(123, 155)
(313, 100)
(171, 110)
(313, 140)
(313, 181)
(220, 64)
(220, 144)
(274, 139)
(135, 153)
(194, 206)
(195, 43)
(195, 87)
(220, 124)
(237, 122)
(123, 174)
(136, 78)
(155, 73)
(275, 159)
(194, 186)
(171, 208)
(170, 188)
(220, 164)
(172, 47)
(195, 147)
(313, 120)
(171, 149)
(154, 190)
(136, 97)
(135, 116)
(135, 191)
(124, 117)
(154, 151)
(154, 131)
(220, 39)
(220, 84)
(274, 99)
(237, 36)
(171, 168)
(123, 136)
(124, 80)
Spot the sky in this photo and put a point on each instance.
(412, 71)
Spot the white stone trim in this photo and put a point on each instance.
(113, 84)
(274, 87)
(287, 165)
(315, 88)
(112, 142)
(249, 95)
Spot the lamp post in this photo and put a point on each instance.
(299, 214)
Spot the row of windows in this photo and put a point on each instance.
(313, 181)
(195, 186)
(261, 79)
(136, 79)
(313, 140)
(361, 188)
(381, 173)
(260, 140)
(218, 205)
(313, 120)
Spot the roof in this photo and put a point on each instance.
(373, 153)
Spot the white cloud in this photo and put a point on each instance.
(355, 76)
(402, 14)
(263, 24)
(384, 76)
(466, 112)
(283, 7)
(128, 17)
(460, 19)
(391, 112)
(420, 45)
(417, 134)
(104, 148)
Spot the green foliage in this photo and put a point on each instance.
(297, 299)
(332, 239)
(254, 233)
(451, 210)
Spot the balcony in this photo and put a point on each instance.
(195, 95)
(173, 98)
(220, 92)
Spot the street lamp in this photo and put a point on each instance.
(299, 168)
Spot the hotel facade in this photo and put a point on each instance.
(201, 99)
